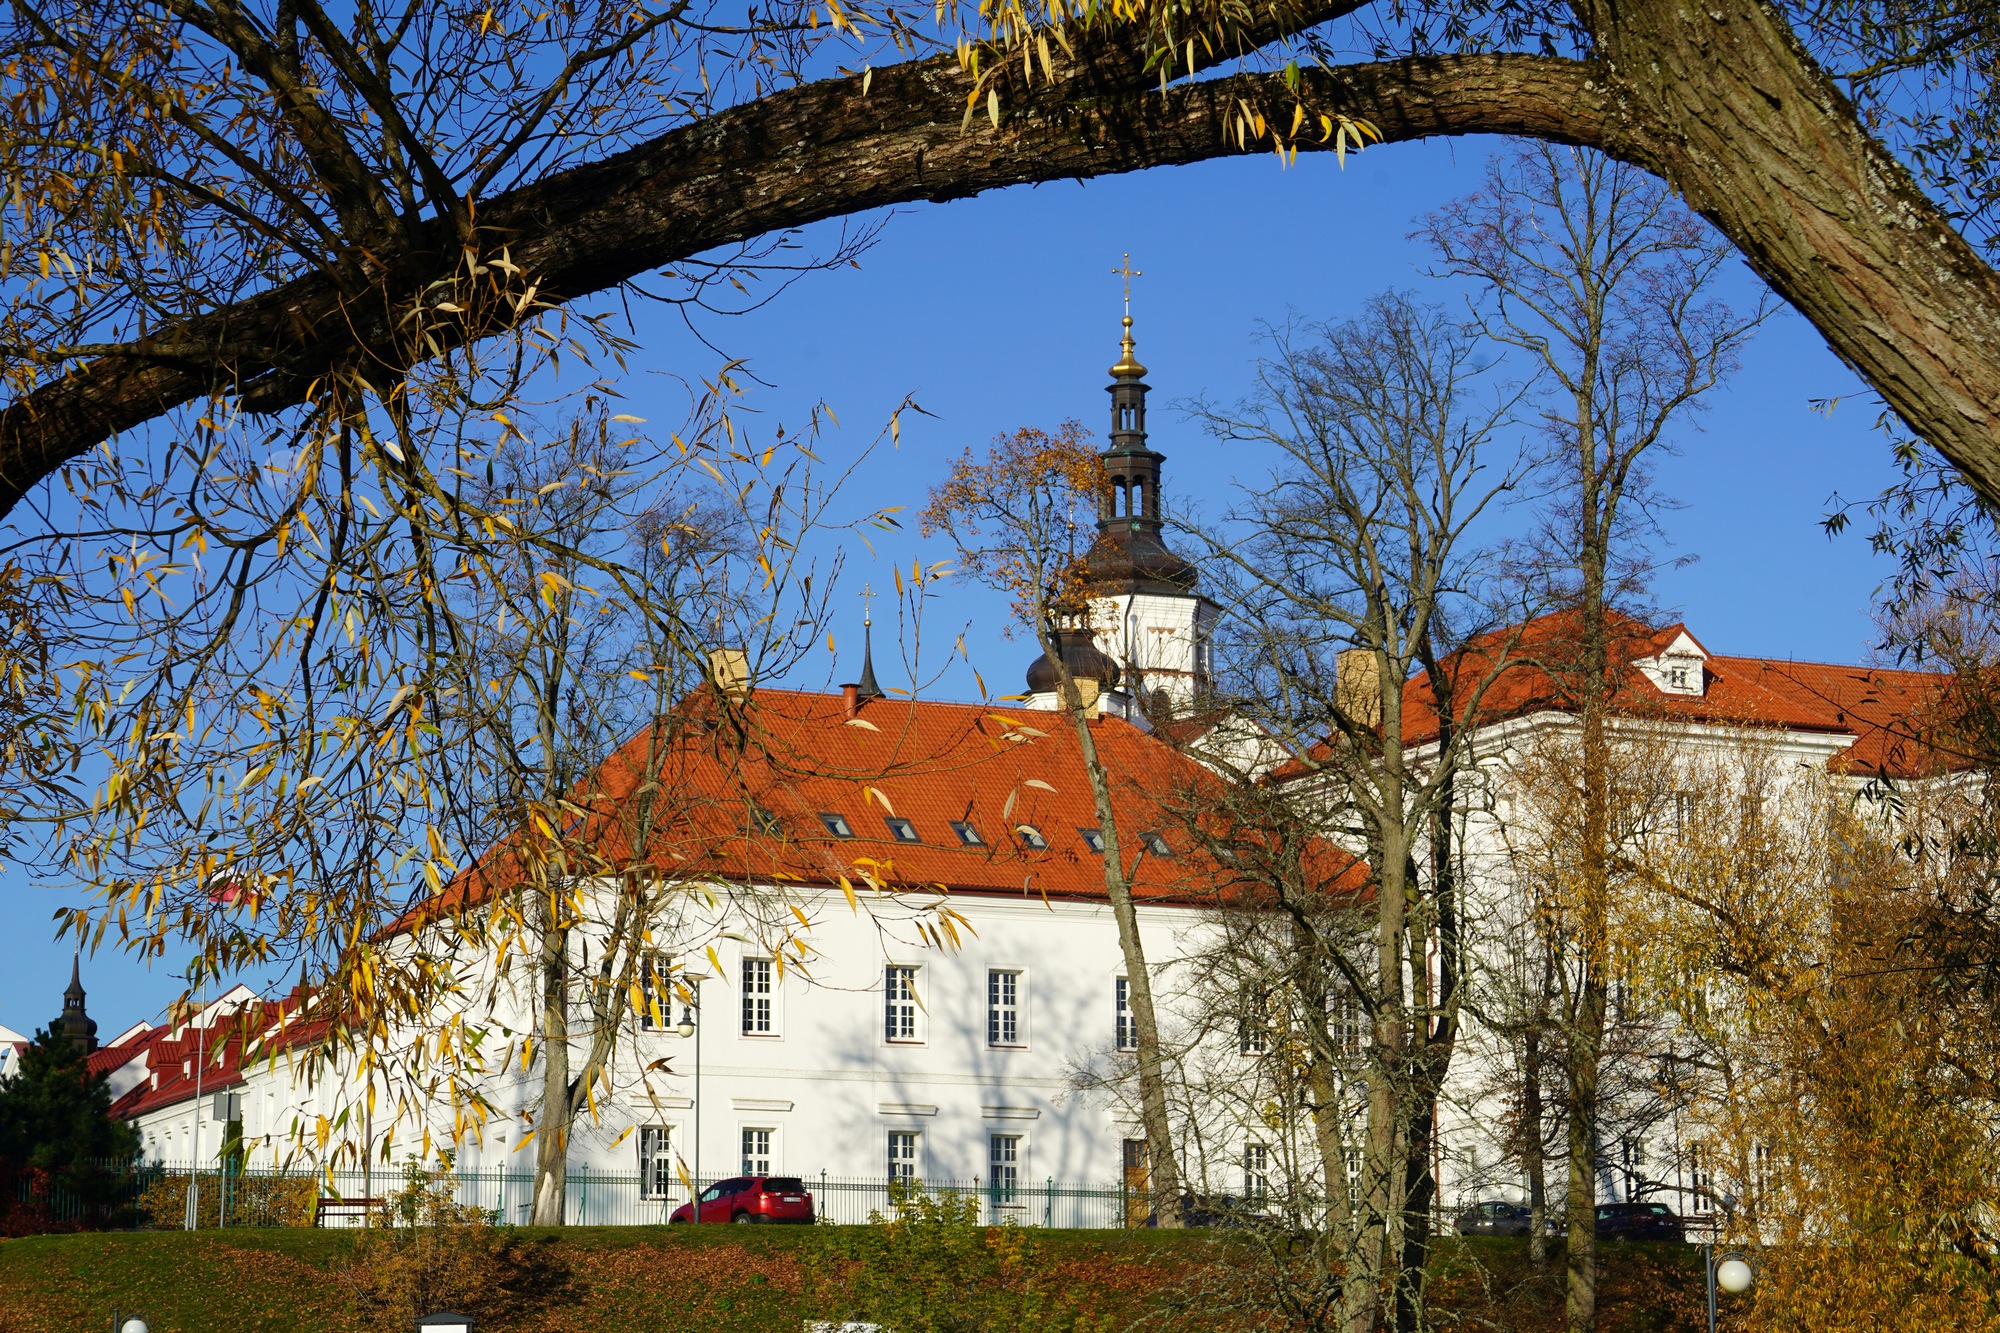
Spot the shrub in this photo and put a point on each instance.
(254, 1201)
(433, 1253)
(932, 1268)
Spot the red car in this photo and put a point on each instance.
(752, 1199)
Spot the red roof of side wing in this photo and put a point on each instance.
(1880, 707)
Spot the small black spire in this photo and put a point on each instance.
(867, 688)
(75, 1024)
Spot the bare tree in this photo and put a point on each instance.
(1356, 570)
(1604, 284)
(1023, 520)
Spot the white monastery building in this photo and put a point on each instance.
(907, 966)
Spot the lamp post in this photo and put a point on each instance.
(193, 1218)
(128, 1322)
(1731, 1273)
(690, 1026)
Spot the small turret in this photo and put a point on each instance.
(76, 1024)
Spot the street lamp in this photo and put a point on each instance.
(1732, 1273)
(690, 1027)
(128, 1323)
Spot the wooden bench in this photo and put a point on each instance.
(333, 1205)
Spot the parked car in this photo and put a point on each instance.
(752, 1199)
(1493, 1219)
(1216, 1210)
(1639, 1221)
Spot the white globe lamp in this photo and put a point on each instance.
(134, 1324)
(1734, 1276)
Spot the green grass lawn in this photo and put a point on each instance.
(707, 1279)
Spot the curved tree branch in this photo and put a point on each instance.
(1721, 101)
(817, 152)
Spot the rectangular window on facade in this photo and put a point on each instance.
(656, 996)
(1003, 1166)
(1253, 1029)
(1350, 1026)
(899, 1003)
(1003, 1008)
(1256, 1172)
(1701, 1179)
(902, 1157)
(902, 830)
(1126, 1031)
(759, 1013)
(757, 1151)
(656, 1161)
(1684, 812)
(967, 834)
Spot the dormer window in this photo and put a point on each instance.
(1681, 669)
(836, 824)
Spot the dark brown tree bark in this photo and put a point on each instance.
(1720, 100)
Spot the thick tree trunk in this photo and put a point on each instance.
(552, 1131)
(1720, 99)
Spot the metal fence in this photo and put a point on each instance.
(253, 1196)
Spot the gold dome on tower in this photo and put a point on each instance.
(1128, 366)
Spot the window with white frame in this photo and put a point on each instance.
(1701, 1178)
(1253, 1027)
(656, 1161)
(902, 1157)
(759, 1011)
(1003, 1166)
(1256, 1172)
(757, 1151)
(1127, 1031)
(1003, 1008)
(656, 995)
(1349, 1024)
(899, 1003)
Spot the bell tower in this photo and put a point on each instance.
(1147, 615)
(75, 1024)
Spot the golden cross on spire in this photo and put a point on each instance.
(1127, 272)
(867, 603)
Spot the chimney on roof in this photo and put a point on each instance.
(729, 671)
(1357, 685)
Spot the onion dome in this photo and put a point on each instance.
(1082, 658)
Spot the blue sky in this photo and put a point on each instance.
(1002, 311)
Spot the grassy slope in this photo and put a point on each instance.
(715, 1279)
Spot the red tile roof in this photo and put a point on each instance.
(798, 756)
(233, 1041)
(1880, 707)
